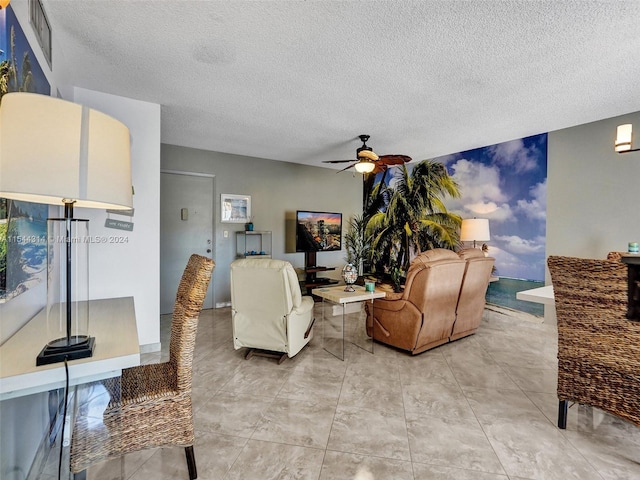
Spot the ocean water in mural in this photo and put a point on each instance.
(503, 294)
(506, 183)
(24, 244)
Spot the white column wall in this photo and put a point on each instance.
(130, 264)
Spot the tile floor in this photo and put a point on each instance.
(480, 408)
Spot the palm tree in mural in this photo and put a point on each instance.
(415, 218)
(9, 81)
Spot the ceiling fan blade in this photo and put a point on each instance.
(348, 167)
(394, 159)
(380, 167)
(337, 161)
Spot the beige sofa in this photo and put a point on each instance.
(442, 301)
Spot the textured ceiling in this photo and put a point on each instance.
(298, 81)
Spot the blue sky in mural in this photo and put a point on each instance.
(3, 36)
(506, 183)
(8, 19)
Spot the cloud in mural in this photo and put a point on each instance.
(536, 208)
(521, 246)
(497, 213)
(481, 182)
(481, 193)
(508, 263)
(516, 155)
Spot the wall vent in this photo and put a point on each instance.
(40, 24)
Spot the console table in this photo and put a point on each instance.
(112, 322)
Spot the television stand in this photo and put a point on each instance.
(311, 270)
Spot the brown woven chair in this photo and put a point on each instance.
(598, 348)
(150, 405)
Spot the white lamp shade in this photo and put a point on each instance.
(53, 150)
(623, 137)
(365, 167)
(475, 229)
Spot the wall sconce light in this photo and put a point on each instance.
(476, 230)
(624, 139)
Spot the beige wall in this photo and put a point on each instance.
(592, 192)
(277, 190)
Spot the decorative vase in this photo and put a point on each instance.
(249, 227)
(349, 275)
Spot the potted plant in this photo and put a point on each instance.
(356, 243)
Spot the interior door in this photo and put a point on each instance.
(186, 227)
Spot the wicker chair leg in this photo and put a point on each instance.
(191, 462)
(563, 406)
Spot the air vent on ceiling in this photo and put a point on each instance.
(41, 26)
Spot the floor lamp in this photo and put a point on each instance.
(475, 229)
(61, 153)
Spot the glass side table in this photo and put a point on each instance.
(342, 311)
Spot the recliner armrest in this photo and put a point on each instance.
(390, 305)
(391, 296)
(306, 305)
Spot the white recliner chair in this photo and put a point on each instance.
(269, 314)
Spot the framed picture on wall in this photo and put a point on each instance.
(235, 208)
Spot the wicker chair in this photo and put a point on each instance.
(150, 405)
(598, 348)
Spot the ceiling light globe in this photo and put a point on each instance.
(365, 167)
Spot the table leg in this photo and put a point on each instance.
(338, 317)
(333, 328)
(357, 327)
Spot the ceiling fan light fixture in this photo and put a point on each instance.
(368, 154)
(364, 166)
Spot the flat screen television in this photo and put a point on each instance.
(318, 231)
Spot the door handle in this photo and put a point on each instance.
(208, 250)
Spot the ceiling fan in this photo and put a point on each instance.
(368, 161)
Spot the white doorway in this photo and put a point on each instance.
(186, 227)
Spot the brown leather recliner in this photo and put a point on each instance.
(472, 293)
(423, 315)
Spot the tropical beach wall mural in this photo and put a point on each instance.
(507, 183)
(23, 225)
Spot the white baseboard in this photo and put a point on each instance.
(150, 347)
(223, 304)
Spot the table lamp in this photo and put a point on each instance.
(61, 153)
(475, 229)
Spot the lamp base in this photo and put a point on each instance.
(81, 346)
